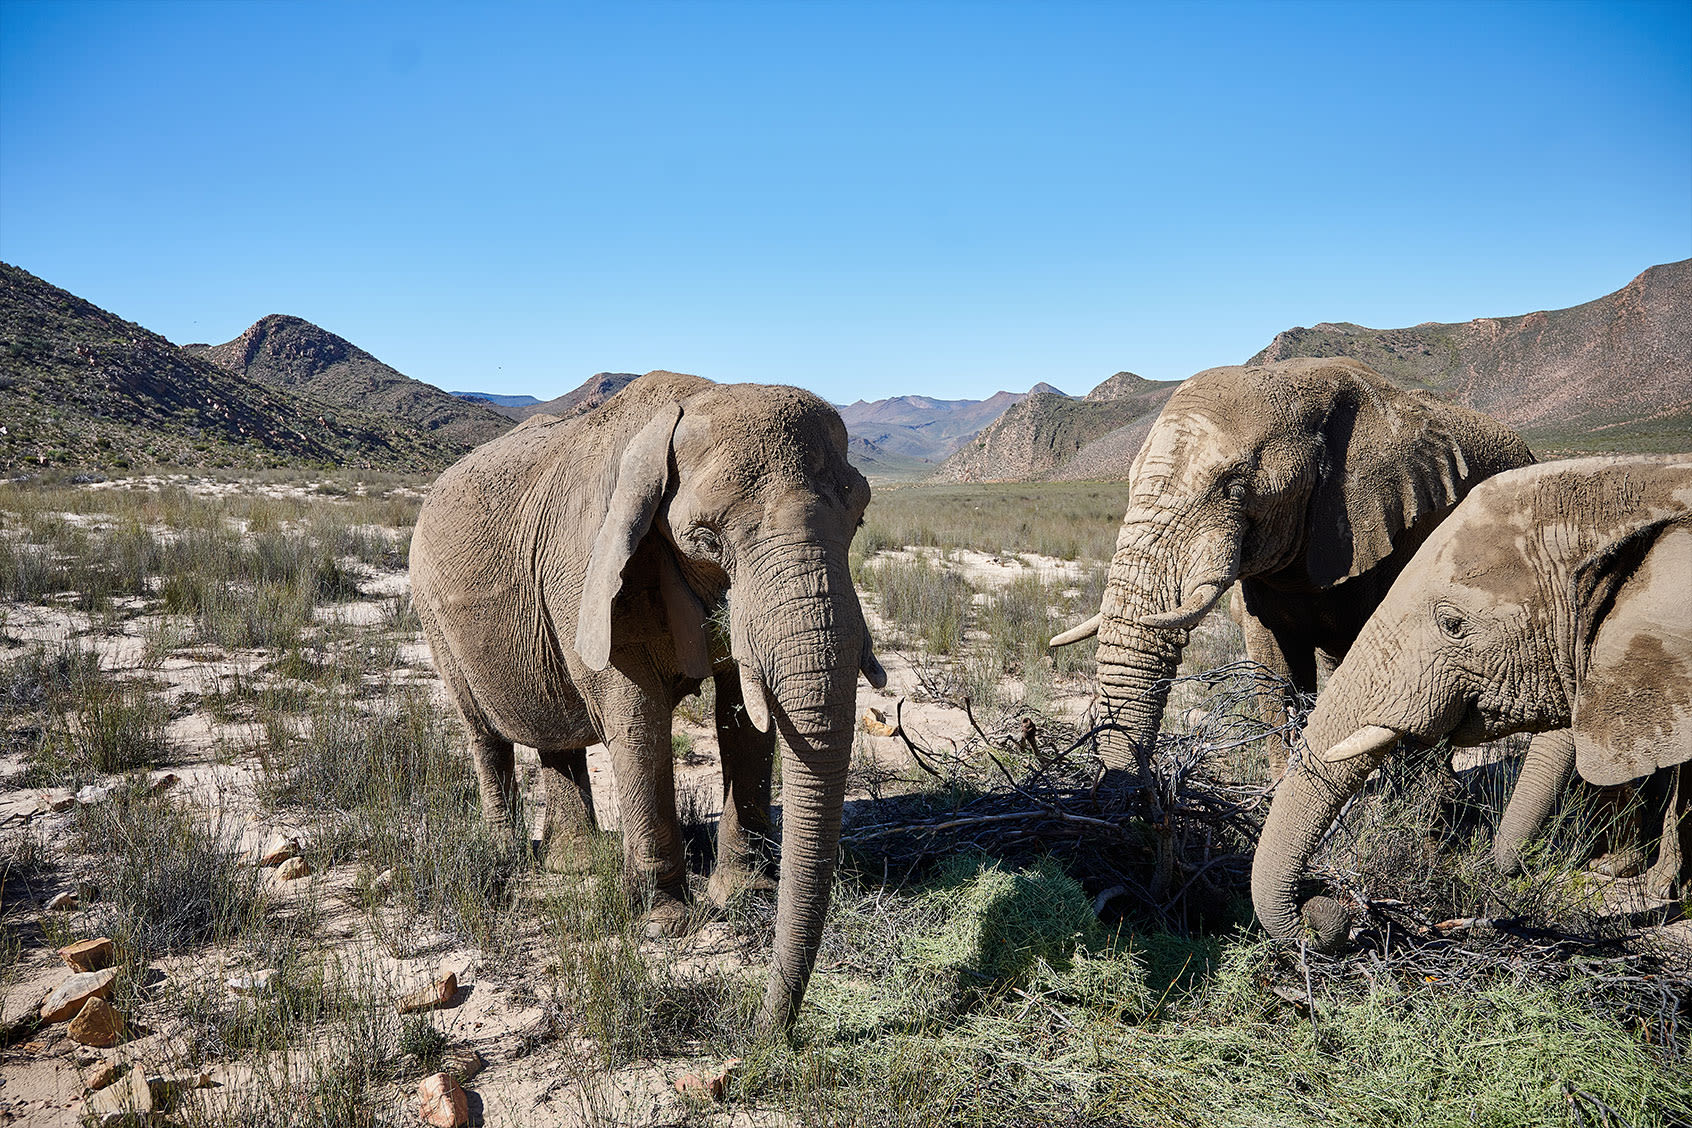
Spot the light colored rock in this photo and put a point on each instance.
(293, 869)
(67, 998)
(384, 881)
(89, 955)
(58, 799)
(95, 793)
(278, 850)
(114, 1103)
(99, 1075)
(875, 724)
(444, 1103)
(714, 1085)
(98, 1023)
(260, 982)
(66, 901)
(437, 994)
(464, 1063)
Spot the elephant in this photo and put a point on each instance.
(1310, 482)
(1553, 601)
(576, 578)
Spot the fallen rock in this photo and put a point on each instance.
(464, 1063)
(95, 792)
(437, 994)
(114, 1104)
(713, 1086)
(98, 1023)
(99, 1075)
(163, 782)
(58, 799)
(67, 998)
(384, 881)
(89, 955)
(293, 869)
(445, 1104)
(278, 850)
(66, 901)
(259, 982)
(875, 724)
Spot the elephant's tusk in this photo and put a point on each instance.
(755, 697)
(1200, 600)
(1370, 740)
(1077, 633)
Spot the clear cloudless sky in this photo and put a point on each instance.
(866, 199)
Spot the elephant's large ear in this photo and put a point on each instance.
(1633, 656)
(642, 476)
(1391, 464)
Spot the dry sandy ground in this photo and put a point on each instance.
(498, 1008)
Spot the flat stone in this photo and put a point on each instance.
(278, 850)
(437, 994)
(95, 793)
(89, 955)
(98, 1023)
(464, 1063)
(444, 1103)
(66, 901)
(67, 998)
(293, 869)
(101, 1074)
(384, 881)
(114, 1103)
(58, 799)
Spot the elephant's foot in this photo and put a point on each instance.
(666, 916)
(1619, 863)
(567, 854)
(730, 881)
(1329, 922)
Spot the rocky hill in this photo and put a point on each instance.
(1610, 375)
(1042, 436)
(925, 429)
(295, 355)
(495, 399)
(580, 400)
(82, 388)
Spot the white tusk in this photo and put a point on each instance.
(1370, 740)
(1192, 609)
(754, 697)
(1077, 633)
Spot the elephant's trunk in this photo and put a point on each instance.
(806, 635)
(1161, 581)
(1545, 770)
(1343, 745)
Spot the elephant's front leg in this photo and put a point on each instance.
(1296, 667)
(744, 830)
(637, 731)
(570, 822)
(496, 779)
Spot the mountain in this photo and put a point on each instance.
(497, 400)
(1043, 435)
(295, 355)
(884, 466)
(81, 387)
(1613, 374)
(580, 400)
(926, 429)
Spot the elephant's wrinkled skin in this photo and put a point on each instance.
(568, 575)
(1311, 482)
(1553, 601)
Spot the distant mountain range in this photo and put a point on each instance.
(81, 387)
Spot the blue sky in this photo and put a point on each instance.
(865, 199)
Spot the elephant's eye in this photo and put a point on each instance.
(705, 542)
(1451, 621)
(1235, 488)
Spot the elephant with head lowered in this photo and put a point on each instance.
(572, 577)
(1555, 601)
(1310, 482)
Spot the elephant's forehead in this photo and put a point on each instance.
(1194, 439)
(1488, 549)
